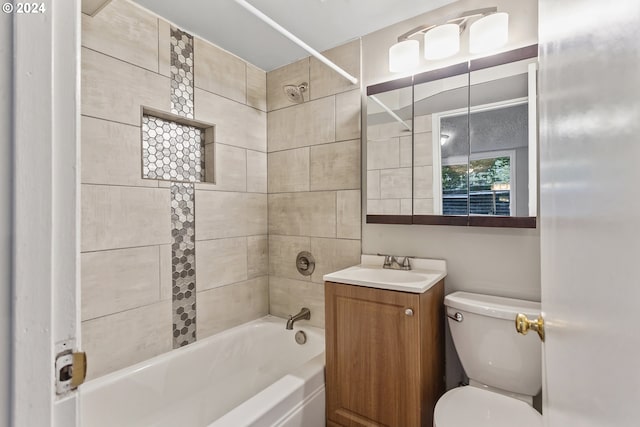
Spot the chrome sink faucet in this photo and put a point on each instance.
(305, 314)
(396, 263)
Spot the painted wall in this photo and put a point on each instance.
(6, 85)
(126, 257)
(314, 179)
(485, 260)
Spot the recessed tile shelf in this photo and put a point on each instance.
(176, 148)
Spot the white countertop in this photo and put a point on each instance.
(423, 275)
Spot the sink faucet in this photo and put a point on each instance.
(396, 263)
(305, 314)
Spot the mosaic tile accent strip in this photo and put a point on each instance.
(171, 151)
(183, 263)
(181, 73)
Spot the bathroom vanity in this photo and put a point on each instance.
(384, 344)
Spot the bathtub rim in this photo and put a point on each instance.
(114, 376)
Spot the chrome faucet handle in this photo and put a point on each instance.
(406, 264)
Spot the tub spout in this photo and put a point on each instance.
(305, 314)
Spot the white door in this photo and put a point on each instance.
(590, 211)
(44, 209)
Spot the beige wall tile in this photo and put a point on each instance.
(335, 166)
(423, 123)
(220, 262)
(292, 74)
(373, 184)
(235, 124)
(302, 125)
(288, 170)
(348, 115)
(383, 207)
(349, 214)
(423, 149)
(118, 280)
(115, 90)
(395, 183)
(164, 43)
(423, 182)
(333, 255)
(166, 273)
(256, 172)
(287, 296)
(406, 207)
(111, 154)
(256, 88)
(383, 154)
(297, 214)
(123, 217)
(258, 256)
(229, 306)
(325, 81)
(406, 156)
(231, 168)
(221, 214)
(283, 251)
(423, 206)
(218, 71)
(387, 130)
(123, 339)
(118, 31)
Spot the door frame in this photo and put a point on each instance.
(45, 209)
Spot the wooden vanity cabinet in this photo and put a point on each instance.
(384, 356)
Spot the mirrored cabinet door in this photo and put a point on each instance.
(502, 171)
(389, 152)
(441, 146)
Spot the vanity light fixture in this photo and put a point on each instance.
(489, 31)
(443, 138)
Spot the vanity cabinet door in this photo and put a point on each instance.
(373, 351)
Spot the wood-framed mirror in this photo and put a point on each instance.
(473, 133)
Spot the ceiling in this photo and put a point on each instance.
(322, 24)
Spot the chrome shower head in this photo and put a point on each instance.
(295, 92)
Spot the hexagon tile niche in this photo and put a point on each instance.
(171, 151)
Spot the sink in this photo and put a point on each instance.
(424, 274)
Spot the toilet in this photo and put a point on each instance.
(504, 367)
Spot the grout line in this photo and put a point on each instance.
(167, 301)
(122, 60)
(315, 145)
(111, 121)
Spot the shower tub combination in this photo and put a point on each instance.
(251, 375)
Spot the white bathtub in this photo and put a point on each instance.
(252, 375)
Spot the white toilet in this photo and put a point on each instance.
(504, 367)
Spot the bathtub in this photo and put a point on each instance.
(251, 375)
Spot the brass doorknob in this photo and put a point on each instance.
(523, 324)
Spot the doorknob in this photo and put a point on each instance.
(523, 324)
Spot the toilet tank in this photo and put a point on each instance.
(491, 351)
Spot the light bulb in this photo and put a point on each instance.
(404, 56)
(489, 32)
(442, 41)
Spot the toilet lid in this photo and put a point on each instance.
(473, 407)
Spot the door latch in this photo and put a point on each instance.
(71, 371)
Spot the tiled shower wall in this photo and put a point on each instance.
(126, 220)
(314, 178)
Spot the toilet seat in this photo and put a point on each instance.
(473, 407)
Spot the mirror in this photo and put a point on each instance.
(503, 160)
(441, 143)
(389, 151)
(466, 154)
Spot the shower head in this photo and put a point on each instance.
(295, 92)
